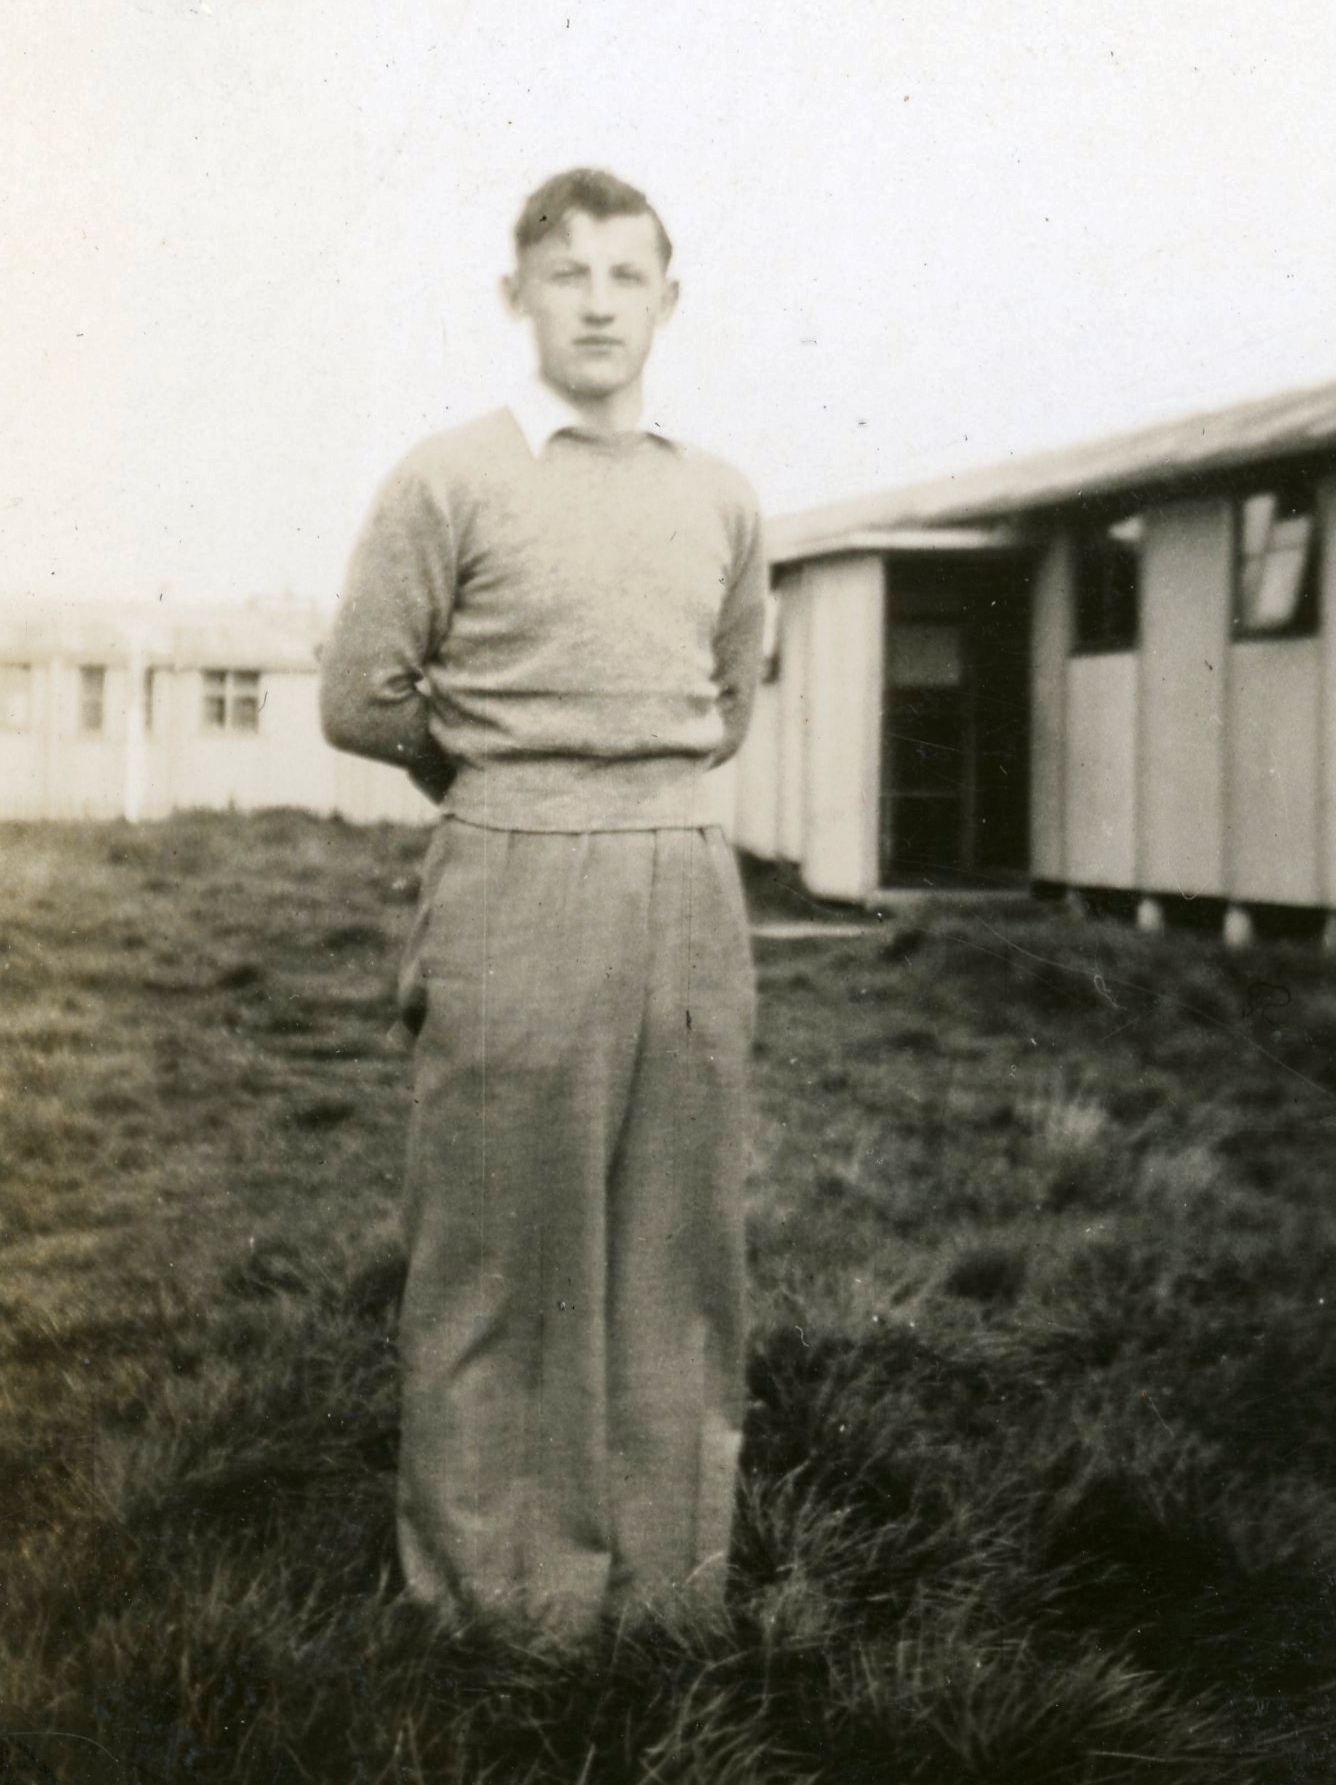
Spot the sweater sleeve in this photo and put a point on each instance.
(737, 639)
(393, 613)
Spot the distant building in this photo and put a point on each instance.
(125, 711)
(1109, 668)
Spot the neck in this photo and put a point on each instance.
(616, 413)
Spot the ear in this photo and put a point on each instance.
(668, 302)
(512, 295)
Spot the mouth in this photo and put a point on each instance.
(597, 343)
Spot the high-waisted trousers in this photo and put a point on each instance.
(572, 1329)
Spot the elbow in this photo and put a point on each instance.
(735, 711)
(338, 723)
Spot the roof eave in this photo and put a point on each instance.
(944, 541)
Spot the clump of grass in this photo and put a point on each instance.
(354, 936)
(991, 1271)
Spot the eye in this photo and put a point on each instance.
(629, 276)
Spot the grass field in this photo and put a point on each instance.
(1040, 1471)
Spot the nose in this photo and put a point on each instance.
(598, 304)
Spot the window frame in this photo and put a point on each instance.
(92, 700)
(1289, 495)
(226, 694)
(1098, 539)
(16, 686)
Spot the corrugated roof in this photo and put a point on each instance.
(1297, 424)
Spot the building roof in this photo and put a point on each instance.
(1170, 456)
(260, 635)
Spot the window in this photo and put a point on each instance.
(1276, 564)
(772, 655)
(15, 696)
(1108, 585)
(232, 700)
(92, 697)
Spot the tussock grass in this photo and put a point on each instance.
(1037, 1483)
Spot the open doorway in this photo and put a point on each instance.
(955, 777)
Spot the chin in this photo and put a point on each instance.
(588, 388)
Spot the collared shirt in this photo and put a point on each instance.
(542, 412)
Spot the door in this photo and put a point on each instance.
(955, 723)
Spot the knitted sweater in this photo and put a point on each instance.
(568, 641)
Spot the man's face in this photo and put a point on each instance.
(595, 289)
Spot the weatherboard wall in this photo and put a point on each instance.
(1274, 810)
(805, 786)
(843, 728)
(1099, 771)
(1051, 635)
(1183, 666)
(84, 770)
(1198, 764)
(24, 752)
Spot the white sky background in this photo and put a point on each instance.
(249, 248)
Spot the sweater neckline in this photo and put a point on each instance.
(619, 445)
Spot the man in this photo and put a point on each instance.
(552, 621)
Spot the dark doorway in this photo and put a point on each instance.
(955, 775)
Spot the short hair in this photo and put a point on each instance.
(588, 189)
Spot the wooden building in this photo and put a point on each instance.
(1107, 668)
(125, 711)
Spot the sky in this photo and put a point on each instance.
(249, 249)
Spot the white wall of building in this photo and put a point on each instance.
(843, 729)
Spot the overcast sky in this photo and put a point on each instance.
(250, 247)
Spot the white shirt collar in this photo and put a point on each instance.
(542, 412)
